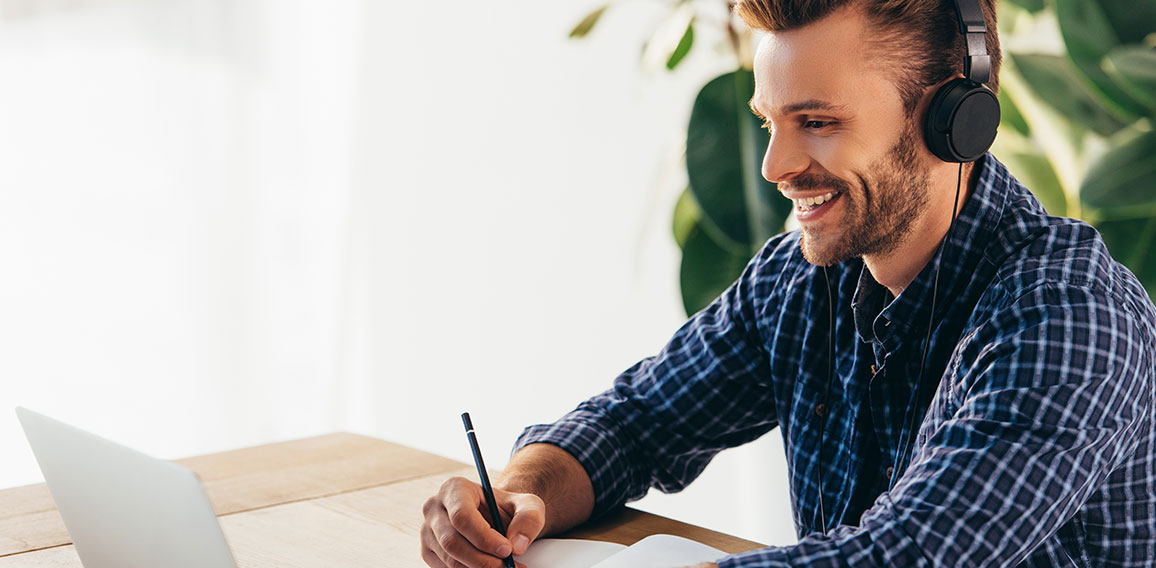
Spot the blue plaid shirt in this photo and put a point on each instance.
(1037, 446)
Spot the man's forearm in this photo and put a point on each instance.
(557, 478)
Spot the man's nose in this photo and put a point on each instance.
(784, 159)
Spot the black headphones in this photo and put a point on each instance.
(964, 114)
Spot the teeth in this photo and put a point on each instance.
(812, 202)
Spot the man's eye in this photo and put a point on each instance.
(816, 124)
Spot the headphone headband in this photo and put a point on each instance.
(963, 116)
(977, 64)
(970, 16)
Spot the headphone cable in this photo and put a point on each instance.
(826, 395)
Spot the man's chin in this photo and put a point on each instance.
(821, 253)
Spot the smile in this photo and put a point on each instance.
(809, 203)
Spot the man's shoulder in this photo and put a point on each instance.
(781, 248)
(778, 276)
(1040, 258)
(780, 257)
(1056, 250)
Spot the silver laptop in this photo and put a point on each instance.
(122, 508)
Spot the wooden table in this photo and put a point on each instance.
(340, 500)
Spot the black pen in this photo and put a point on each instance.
(486, 488)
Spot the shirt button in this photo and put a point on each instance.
(890, 472)
(821, 410)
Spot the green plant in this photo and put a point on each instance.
(1079, 104)
(1079, 100)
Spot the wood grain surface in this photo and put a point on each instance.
(336, 500)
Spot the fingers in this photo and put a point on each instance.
(457, 551)
(455, 534)
(441, 540)
(528, 519)
(432, 558)
(463, 504)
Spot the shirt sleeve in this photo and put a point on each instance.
(1050, 397)
(667, 416)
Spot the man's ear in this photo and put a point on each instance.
(928, 94)
(925, 99)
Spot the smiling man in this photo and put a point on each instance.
(959, 378)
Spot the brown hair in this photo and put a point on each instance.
(921, 37)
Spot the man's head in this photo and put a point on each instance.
(918, 40)
(844, 85)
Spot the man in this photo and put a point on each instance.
(989, 403)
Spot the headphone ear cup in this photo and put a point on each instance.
(961, 121)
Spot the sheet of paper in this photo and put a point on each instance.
(662, 551)
(567, 553)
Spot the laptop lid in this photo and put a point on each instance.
(123, 508)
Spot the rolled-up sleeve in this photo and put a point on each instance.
(1044, 402)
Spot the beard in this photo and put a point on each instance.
(878, 218)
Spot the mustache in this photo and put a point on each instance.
(816, 181)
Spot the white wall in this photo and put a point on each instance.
(224, 223)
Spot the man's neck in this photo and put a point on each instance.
(898, 268)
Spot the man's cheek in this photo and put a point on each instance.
(836, 155)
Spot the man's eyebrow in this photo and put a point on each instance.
(811, 104)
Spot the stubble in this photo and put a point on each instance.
(879, 214)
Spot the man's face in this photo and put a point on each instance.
(841, 146)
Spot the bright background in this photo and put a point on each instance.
(230, 222)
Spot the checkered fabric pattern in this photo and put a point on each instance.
(1036, 445)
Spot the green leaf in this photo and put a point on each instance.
(1032, 6)
(1089, 37)
(1057, 83)
(682, 48)
(723, 144)
(1009, 114)
(588, 23)
(1132, 21)
(707, 269)
(1134, 70)
(767, 209)
(1124, 177)
(1059, 138)
(1036, 172)
(686, 216)
(1131, 241)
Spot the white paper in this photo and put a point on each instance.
(662, 551)
(567, 553)
(657, 551)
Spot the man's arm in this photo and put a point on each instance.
(558, 479)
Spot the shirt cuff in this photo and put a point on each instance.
(591, 438)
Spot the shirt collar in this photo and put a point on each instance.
(967, 241)
(869, 300)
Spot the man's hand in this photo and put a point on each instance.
(457, 534)
(456, 531)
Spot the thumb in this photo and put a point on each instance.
(528, 520)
